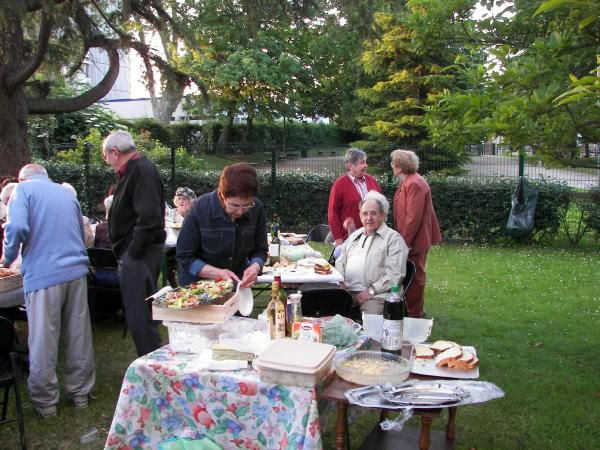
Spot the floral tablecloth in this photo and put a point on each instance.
(166, 394)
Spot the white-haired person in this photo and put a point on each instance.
(46, 220)
(373, 258)
(415, 220)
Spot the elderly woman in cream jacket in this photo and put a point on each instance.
(373, 258)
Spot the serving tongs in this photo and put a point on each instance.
(420, 394)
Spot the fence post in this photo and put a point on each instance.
(173, 184)
(521, 163)
(86, 179)
(274, 199)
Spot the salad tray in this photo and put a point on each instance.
(203, 302)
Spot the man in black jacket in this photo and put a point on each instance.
(137, 231)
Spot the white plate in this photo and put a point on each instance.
(423, 366)
(246, 301)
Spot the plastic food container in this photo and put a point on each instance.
(192, 337)
(370, 367)
(295, 363)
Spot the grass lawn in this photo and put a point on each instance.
(531, 313)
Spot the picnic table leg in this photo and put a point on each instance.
(424, 437)
(340, 426)
(451, 427)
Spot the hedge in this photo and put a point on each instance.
(201, 138)
(475, 209)
(467, 208)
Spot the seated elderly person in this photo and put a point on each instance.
(183, 199)
(373, 258)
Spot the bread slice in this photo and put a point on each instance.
(423, 351)
(440, 346)
(323, 268)
(462, 362)
(474, 363)
(448, 355)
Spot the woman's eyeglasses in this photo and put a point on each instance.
(244, 208)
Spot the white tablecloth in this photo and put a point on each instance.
(301, 275)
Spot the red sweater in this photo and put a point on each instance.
(343, 203)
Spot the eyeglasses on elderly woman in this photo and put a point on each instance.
(235, 206)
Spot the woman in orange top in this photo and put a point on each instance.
(415, 220)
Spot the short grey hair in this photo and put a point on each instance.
(30, 170)
(406, 160)
(69, 187)
(384, 205)
(119, 139)
(354, 156)
(6, 192)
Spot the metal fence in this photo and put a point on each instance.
(274, 161)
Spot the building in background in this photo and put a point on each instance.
(95, 66)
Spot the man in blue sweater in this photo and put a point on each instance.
(45, 222)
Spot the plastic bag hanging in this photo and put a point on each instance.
(521, 219)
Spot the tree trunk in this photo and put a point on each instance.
(224, 136)
(14, 152)
(171, 96)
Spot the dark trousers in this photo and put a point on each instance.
(138, 281)
(415, 298)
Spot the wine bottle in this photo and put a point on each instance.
(275, 246)
(393, 321)
(276, 312)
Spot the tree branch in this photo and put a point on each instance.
(32, 65)
(63, 105)
(78, 63)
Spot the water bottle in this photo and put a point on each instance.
(293, 311)
(393, 320)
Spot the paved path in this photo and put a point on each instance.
(508, 166)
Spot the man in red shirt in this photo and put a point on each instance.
(346, 194)
(415, 220)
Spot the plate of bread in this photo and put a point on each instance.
(446, 359)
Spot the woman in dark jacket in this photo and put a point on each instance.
(224, 236)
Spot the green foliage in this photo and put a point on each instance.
(90, 192)
(591, 211)
(477, 209)
(69, 128)
(504, 96)
(153, 128)
(408, 59)
(203, 138)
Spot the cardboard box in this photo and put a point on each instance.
(216, 312)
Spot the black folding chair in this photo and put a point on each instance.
(326, 302)
(9, 375)
(319, 233)
(104, 262)
(322, 233)
(411, 270)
